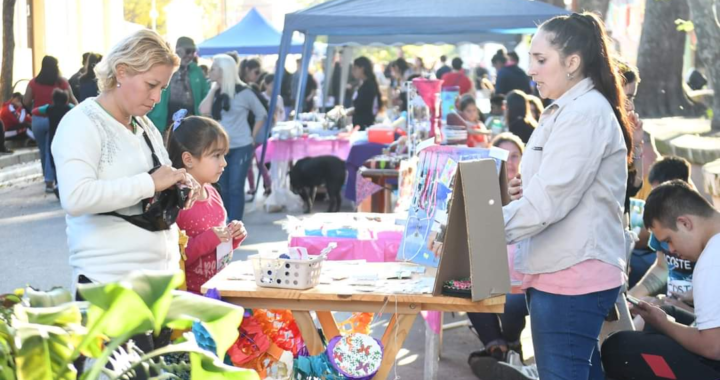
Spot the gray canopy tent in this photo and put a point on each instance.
(446, 20)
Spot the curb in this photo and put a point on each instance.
(21, 156)
(28, 171)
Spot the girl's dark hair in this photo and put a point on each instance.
(584, 34)
(60, 97)
(367, 68)
(196, 135)
(465, 101)
(247, 65)
(518, 107)
(49, 72)
(92, 60)
(266, 81)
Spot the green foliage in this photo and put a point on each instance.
(138, 11)
(686, 26)
(42, 337)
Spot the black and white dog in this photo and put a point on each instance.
(309, 173)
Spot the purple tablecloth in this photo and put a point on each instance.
(359, 153)
(295, 149)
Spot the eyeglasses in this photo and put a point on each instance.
(657, 245)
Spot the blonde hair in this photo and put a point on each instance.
(138, 52)
(230, 77)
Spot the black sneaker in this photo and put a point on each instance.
(494, 366)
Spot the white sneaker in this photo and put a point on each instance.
(514, 363)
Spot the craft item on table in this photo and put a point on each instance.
(223, 255)
(315, 367)
(432, 192)
(364, 188)
(213, 293)
(280, 326)
(294, 269)
(355, 356)
(357, 323)
(458, 288)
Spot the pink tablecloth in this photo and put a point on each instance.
(295, 149)
(382, 249)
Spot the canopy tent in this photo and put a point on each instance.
(447, 19)
(252, 35)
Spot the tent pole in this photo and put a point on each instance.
(329, 58)
(306, 56)
(285, 42)
(345, 59)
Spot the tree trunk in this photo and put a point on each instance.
(660, 61)
(597, 6)
(8, 49)
(707, 30)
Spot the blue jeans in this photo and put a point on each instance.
(501, 329)
(232, 181)
(41, 129)
(565, 332)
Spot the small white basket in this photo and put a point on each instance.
(274, 272)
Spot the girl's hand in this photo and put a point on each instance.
(237, 230)
(515, 188)
(223, 233)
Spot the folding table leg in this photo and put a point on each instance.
(309, 333)
(395, 334)
(329, 326)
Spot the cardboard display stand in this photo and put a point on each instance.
(474, 244)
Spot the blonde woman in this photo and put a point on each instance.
(229, 102)
(102, 151)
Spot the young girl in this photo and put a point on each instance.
(199, 145)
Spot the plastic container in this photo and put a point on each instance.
(381, 135)
(273, 272)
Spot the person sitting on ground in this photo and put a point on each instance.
(457, 78)
(500, 333)
(199, 145)
(685, 346)
(668, 273)
(16, 121)
(518, 116)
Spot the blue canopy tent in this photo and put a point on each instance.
(252, 35)
(443, 20)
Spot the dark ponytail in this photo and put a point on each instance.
(367, 68)
(584, 34)
(196, 135)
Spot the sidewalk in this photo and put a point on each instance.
(21, 166)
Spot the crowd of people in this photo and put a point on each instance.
(144, 121)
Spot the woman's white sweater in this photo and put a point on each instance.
(103, 167)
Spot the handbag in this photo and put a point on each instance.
(159, 212)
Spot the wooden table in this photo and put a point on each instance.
(341, 296)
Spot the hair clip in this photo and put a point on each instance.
(178, 117)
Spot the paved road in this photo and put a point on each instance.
(34, 251)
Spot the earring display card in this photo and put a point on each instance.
(427, 219)
(474, 245)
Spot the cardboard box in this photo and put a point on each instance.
(474, 244)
